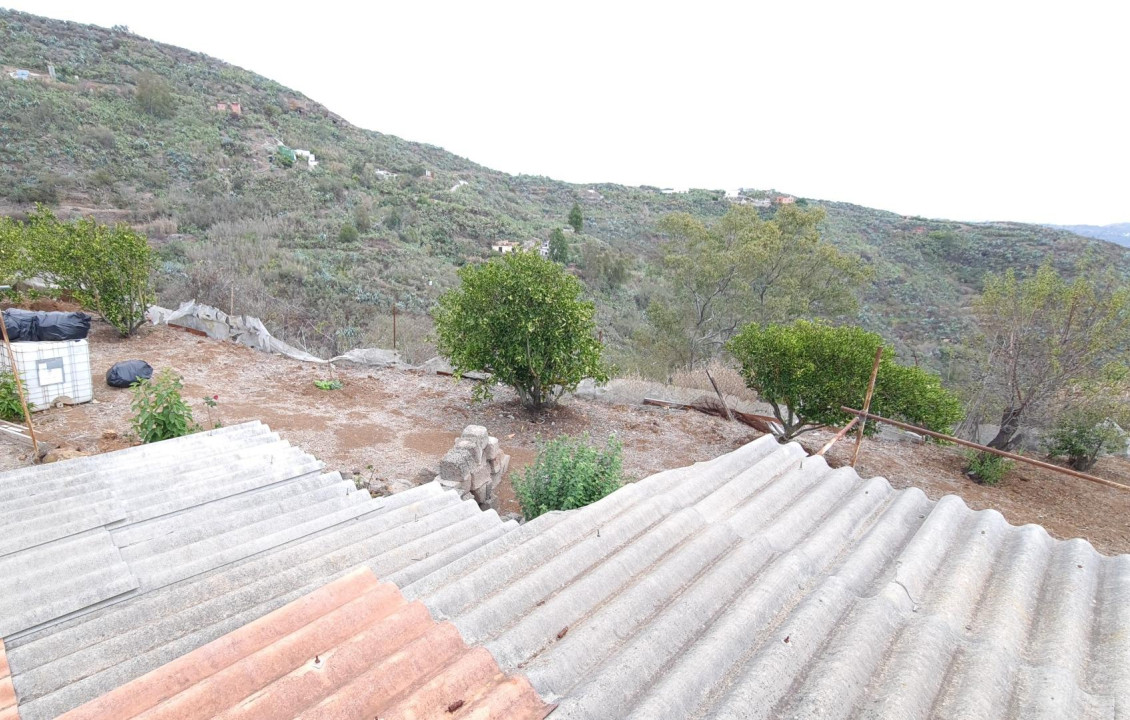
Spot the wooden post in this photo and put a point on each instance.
(721, 399)
(866, 404)
(231, 305)
(394, 301)
(19, 388)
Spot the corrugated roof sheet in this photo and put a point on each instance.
(764, 584)
(123, 562)
(352, 649)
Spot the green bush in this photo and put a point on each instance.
(986, 468)
(106, 269)
(520, 318)
(154, 96)
(348, 233)
(1083, 436)
(569, 473)
(807, 370)
(159, 412)
(10, 407)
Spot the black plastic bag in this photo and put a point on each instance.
(127, 372)
(32, 326)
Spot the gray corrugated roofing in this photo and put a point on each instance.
(765, 585)
(185, 540)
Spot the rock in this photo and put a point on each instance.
(63, 453)
(517, 517)
(492, 449)
(396, 485)
(109, 434)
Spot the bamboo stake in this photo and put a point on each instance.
(19, 387)
(838, 436)
(867, 404)
(986, 448)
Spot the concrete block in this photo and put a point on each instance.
(480, 477)
(476, 434)
(456, 464)
(492, 449)
(471, 447)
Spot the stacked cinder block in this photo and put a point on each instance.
(475, 466)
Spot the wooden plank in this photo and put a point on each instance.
(867, 404)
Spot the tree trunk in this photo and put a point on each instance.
(1008, 435)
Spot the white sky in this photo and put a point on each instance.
(982, 110)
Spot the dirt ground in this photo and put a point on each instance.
(399, 423)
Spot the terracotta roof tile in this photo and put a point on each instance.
(354, 648)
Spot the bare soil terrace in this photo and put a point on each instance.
(395, 423)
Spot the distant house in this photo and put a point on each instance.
(568, 230)
(311, 161)
(457, 185)
(504, 246)
(544, 249)
(20, 75)
(233, 108)
(784, 200)
(384, 174)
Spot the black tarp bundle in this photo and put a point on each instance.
(32, 326)
(127, 372)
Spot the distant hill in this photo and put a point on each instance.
(145, 133)
(1117, 233)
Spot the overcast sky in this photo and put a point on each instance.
(974, 111)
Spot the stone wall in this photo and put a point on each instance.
(475, 466)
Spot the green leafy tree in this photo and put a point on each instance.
(154, 96)
(348, 233)
(558, 247)
(520, 318)
(106, 269)
(576, 218)
(159, 411)
(1043, 336)
(807, 370)
(569, 473)
(744, 269)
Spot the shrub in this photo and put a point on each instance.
(348, 233)
(328, 384)
(806, 371)
(106, 269)
(986, 468)
(154, 96)
(569, 473)
(520, 318)
(10, 407)
(1083, 436)
(159, 412)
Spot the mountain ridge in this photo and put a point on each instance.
(233, 225)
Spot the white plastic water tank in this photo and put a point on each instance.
(52, 371)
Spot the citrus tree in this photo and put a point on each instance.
(807, 370)
(521, 319)
(106, 269)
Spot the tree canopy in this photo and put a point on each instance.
(558, 247)
(576, 218)
(1044, 336)
(807, 370)
(521, 318)
(745, 269)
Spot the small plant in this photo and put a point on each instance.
(986, 468)
(10, 407)
(159, 412)
(1083, 436)
(328, 384)
(569, 473)
(211, 401)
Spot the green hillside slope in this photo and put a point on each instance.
(129, 130)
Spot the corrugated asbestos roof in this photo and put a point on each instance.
(761, 584)
(765, 585)
(116, 564)
(352, 649)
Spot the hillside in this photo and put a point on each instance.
(130, 130)
(1116, 233)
